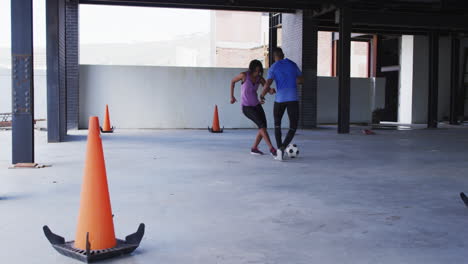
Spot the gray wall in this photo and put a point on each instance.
(184, 97)
(367, 94)
(162, 97)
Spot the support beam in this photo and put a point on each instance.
(308, 91)
(410, 20)
(235, 5)
(56, 70)
(343, 16)
(433, 79)
(22, 81)
(454, 79)
(273, 39)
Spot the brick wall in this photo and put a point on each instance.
(291, 41)
(62, 71)
(299, 43)
(72, 63)
(238, 58)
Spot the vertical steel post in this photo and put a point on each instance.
(344, 72)
(22, 81)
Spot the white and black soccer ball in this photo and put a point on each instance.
(292, 151)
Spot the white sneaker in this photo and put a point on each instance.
(279, 155)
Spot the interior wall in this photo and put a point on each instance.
(163, 97)
(367, 94)
(184, 97)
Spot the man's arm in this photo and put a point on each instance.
(266, 88)
(300, 79)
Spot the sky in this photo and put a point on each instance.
(118, 25)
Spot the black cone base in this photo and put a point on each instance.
(214, 131)
(110, 131)
(123, 247)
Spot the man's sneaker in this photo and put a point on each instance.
(256, 151)
(279, 154)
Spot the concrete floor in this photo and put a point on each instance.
(387, 198)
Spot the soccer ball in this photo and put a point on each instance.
(292, 151)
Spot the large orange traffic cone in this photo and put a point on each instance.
(216, 128)
(95, 215)
(106, 127)
(95, 237)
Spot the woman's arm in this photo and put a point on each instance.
(239, 77)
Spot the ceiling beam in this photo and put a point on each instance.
(410, 20)
(238, 5)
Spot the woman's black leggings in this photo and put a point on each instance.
(293, 114)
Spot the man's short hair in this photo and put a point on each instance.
(278, 52)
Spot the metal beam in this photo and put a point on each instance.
(238, 5)
(343, 16)
(454, 79)
(433, 80)
(451, 22)
(22, 81)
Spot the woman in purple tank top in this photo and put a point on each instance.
(251, 106)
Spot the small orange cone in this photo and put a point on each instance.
(216, 128)
(95, 236)
(106, 127)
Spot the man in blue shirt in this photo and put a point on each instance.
(287, 75)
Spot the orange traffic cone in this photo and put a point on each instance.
(95, 237)
(216, 128)
(106, 127)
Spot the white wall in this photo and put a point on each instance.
(367, 94)
(163, 97)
